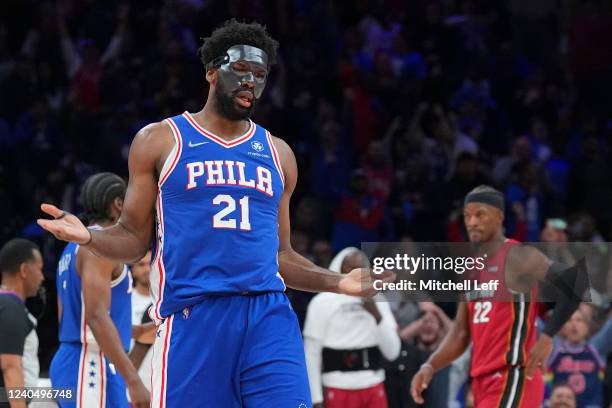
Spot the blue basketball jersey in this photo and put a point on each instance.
(217, 217)
(582, 368)
(73, 327)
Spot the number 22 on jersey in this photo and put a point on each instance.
(481, 312)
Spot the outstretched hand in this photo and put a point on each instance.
(360, 282)
(64, 226)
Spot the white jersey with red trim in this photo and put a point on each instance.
(217, 217)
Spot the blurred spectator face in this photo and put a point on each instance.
(562, 396)
(521, 149)
(376, 154)
(576, 329)
(467, 166)
(539, 130)
(382, 65)
(443, 130)
(530, 176)
(329, 135)
(583, 228)
(353, 261)
(300, 242)
(91, 54)
(430, 330)
(322, 252)
(359, 182)
(305, 214)
(549, 234)
(141, 270)
(554, 231)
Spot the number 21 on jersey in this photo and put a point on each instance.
(224, 217)
(481, 312)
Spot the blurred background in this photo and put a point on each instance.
(395, 110)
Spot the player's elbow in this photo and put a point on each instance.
(10, 362)
(93, 316)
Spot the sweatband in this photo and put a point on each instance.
(491, 198)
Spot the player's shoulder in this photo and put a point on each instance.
(151, 145)
(280, 145)
(156, 132)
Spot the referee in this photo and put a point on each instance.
(21, 266)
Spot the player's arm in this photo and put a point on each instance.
(129, 239)
(138, 353)
(455, 343)
(565, 284)
(144, 333)
(297, 271)
(12, 340)
(96, 275)
(12, 373)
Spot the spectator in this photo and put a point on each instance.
(467, 175)
(526, 203)
(345, 339)
(519, 156)
(562, 396)
(420, 338)
(554, 237)
(359, 215)
(85, 68)
(21, 265)
(577, 360)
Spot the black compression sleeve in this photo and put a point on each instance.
(566, 286)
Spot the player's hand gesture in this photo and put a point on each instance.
(420, 382)
(538, 356)
(64, 226)
(360, 282)
(139, 395)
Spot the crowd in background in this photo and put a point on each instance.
(394, 109)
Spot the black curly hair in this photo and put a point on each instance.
(98, 193)
(233, 32)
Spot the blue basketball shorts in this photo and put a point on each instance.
(231, 352)
(86, 372)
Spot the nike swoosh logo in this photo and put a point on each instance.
(196, 144)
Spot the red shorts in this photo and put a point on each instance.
(508, 389)
(373, 397)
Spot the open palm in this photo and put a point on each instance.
(64, 226)
(360, 282)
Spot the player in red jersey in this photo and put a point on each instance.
(507, 360)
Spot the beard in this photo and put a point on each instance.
(229, 109)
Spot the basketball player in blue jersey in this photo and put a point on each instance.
(217, 186)
(94, 309)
